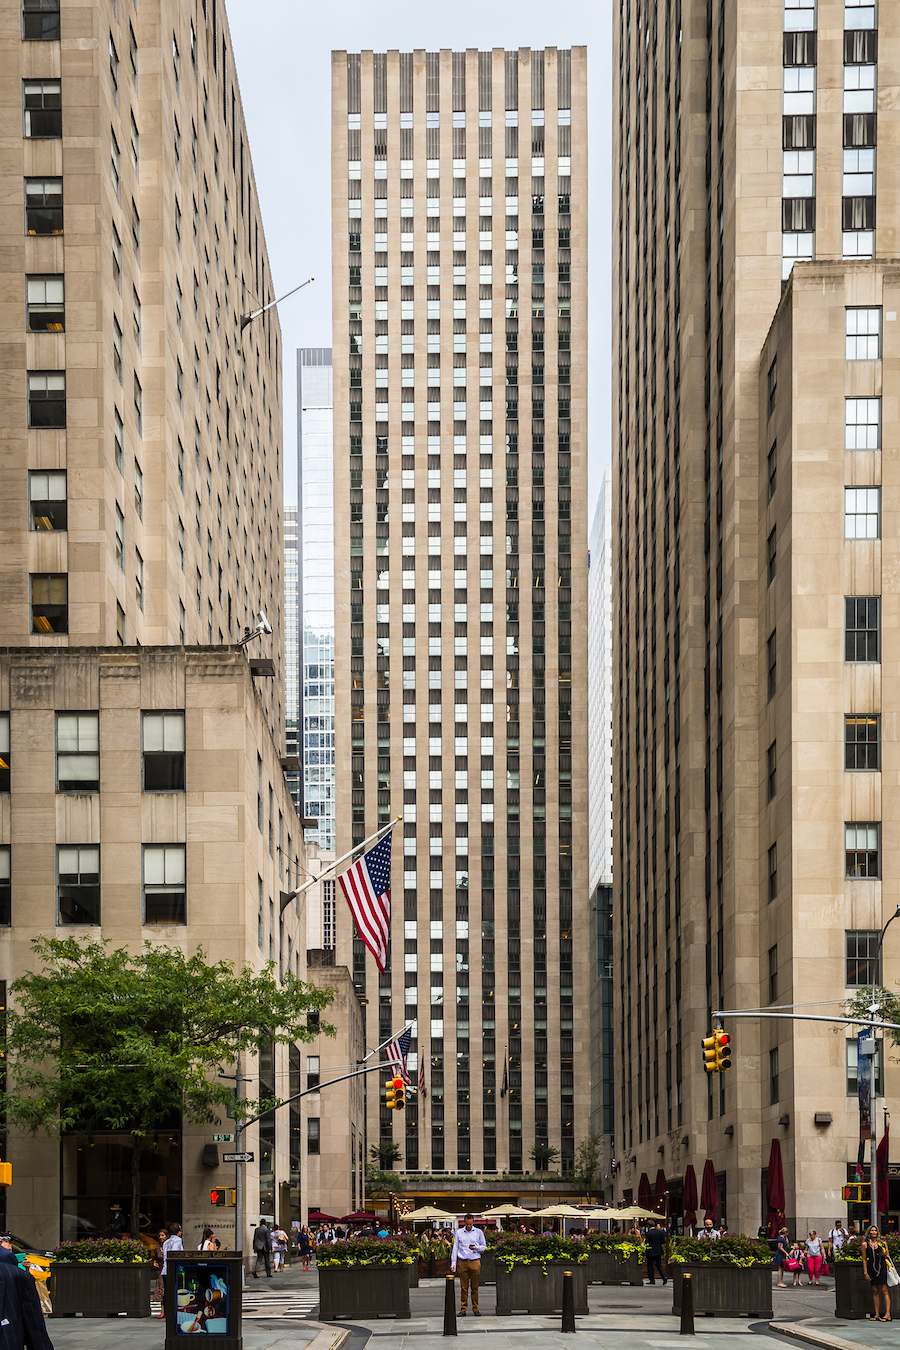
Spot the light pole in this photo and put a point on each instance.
(873, 1045)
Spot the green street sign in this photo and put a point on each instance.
(223, 1138)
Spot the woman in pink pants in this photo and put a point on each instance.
(813, 1256)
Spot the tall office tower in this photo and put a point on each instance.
(751, 862)
(600, 818)
(292, 712)
(315, 441)
(459, 185)
(140, 498)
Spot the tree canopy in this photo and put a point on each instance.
(586, 1168)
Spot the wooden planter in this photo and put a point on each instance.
(528, 1289)
(722, 1290)
(604, 1268)
(853, 1293)
(488, 1268)
(100, 1290)
(363, 1291)
(414, 1273)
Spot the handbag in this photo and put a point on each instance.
(826, 1269)
(793, 1264)
(893, 1278)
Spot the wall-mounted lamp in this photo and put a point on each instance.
(784, 1120)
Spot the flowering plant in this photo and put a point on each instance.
(519, 1249)
(851, 1248)
(733, 1250)
(365, 1251)
(106, 1251)
(618, 1244)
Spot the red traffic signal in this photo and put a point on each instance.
(218, 1196)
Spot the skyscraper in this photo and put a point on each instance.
(459, 184)
(753, 745)
(292, 673)
(315, 441)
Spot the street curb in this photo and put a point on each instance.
(331, 1338)
(797, 1331)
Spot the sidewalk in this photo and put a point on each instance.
(127, 1333)
(595, 1332)
(834, 1334)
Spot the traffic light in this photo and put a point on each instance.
(390, 1096)
(5, 1174)
(399, 1094)
(710, 1047)
(723, 1051)
(222, 1195)
(858, 1193)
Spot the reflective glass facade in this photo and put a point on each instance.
(315, 438)
(292, 649)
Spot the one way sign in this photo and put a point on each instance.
(237, 1157)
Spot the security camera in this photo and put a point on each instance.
(264, 625)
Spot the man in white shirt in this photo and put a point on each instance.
(838, 1236)
(468, 1244)
(709, 1231)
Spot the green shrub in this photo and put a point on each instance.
(851, 1250)
(365, 1251)
(519, 1249)
(118, 1251)
(621, 1246)
(733, 1249)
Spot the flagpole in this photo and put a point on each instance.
(320, 876)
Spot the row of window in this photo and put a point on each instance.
(78, 752)
(458, 119)
(163, 884)
(433, 210)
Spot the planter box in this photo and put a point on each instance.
(853, 1293)
(414, 1274)
(604, 1268)
(363, 1291)
(488, 1268)
(722, 1290)
(528, 1289)
(100, 1290)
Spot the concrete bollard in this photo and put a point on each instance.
(449, 1306)
(687, 1306)
(568, 1303)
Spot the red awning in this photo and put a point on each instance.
(689, 1197)
(709, 1190)
(659, 1192)
(645, 1195)
(775, 1190)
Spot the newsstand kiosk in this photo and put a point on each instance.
(203, 1297)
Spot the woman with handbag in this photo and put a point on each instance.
(781, 1255)
(794, 1262)
(814, 1256)
(876, 1263)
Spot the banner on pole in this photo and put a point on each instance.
(864, 1082)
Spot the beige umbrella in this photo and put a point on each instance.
(551, 1212)
(636, 1212)
(505, 1212)
(426, 1212)
(570, 1212)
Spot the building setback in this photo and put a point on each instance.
(459, 184)
(753, 733)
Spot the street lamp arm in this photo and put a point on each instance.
(248, 318)
(372, 1068)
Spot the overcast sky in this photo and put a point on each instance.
(283, 54)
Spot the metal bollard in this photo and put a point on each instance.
(687, 1306)
(568, 1303)
(449, 1306)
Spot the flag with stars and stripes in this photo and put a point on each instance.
(396, 1052)
(423, 1091)
(367, 889)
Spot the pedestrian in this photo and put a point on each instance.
(813, 1256)
(656, 1241)
(709, 1231)
(209, 1242)
(795, 1262)
(279, 1247)
(468, 1244)
(6, 1252)
(157, 1263)
(781, 1255)
(304, 1245)
(875, 1270)
(21, 1320)
(173, 1243)
(837, 1237)
(262, 1247)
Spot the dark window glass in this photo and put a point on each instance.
(861, 743)
(5, 888)
(773, 974)
(863, 959)
(46, 398)
(48, 509)
(862, 615)
(771, 770)
(78, 888)
(773, 872)
(771, 665)
(773, 1076)
(165, 899)
(772, 471)
(862, 841)
(42, 101)
(770, 558)
(43, 206)
(40, 20)
(877, 1076)
(163, 746)
(312, 1134)
(49, 603)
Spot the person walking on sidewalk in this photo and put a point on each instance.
(655, 1238)
(279, 1248)
(813, 1256)
(173, 1243)
(468, 1244)
(21, 1319)
(781, 1255)
(262, 1247)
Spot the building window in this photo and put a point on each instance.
(863, 330)
(4, 752)
(117, 258)
(45, 304)
(862, 512)
(46, 398)
(78, 883)
(861, 744)
(329, 937)
(770, 558)
(115, 164)
(42, 101)
(773, 1076)
(863, 959)
(120, 625)
(78, 752)
(799, 16)
(47, 501)
(862, 423)
(862, 627)
(771, 471)
(861, 844)
(40, 20)
(772, 387)
(43, 206)
(138, 406)
(162, 742)
(117, 349)
(49, 602)
(771, 770)
(5, 887)
(771, 664)
(773, 872)
(773, 974)
(312, 1134)
(120, 538)
(139, 491)
(312, 1071)
(878, 1074)
(139, 579)
(164, 884)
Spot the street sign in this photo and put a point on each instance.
(223, 1138)
(237, 1157)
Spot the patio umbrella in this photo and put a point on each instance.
(426, 1212)
(360, 1217)
(569, 1211)
(316, 1216)
(645, 1195)
(881, 1168)
(709, 1191)
(689, 1196)
(659, 1192)
(775, 1190)
(636, 1212)
(505, 1212)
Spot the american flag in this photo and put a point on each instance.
(396, 1052)
(367, 890)
(423, 1091)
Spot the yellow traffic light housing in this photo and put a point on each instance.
(710, 1055)
(399, 1094)
(723, 1051)
(5, 1174)
(390, 1096)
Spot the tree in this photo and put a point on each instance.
(543, 1155)
(888, 1008)
(385, 1153)
(586, 1169)
(124, 1041)
(378, 1181)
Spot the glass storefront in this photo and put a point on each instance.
(96, 1183)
